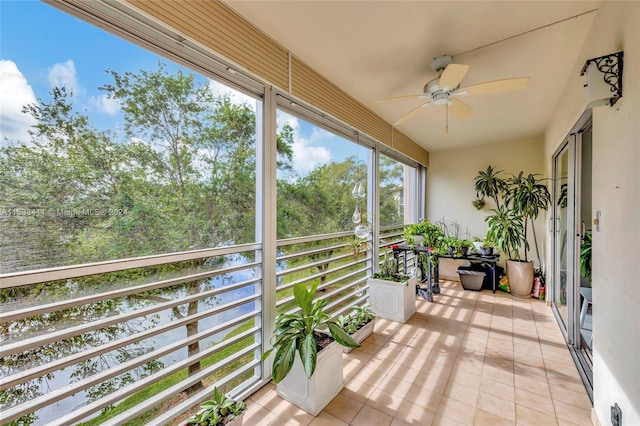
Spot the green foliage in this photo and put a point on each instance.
(585, 256)
(360, 317)
(505, 230)
(478, 203)
(218, 411)
(295, 333)
(432, 234)
(489, 184)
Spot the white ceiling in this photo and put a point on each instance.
(377, 49)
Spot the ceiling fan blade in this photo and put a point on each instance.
(460, 110)
(402, 98)
(452, 76)
(411, 113)
(496, 86)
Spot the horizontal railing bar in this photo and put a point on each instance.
(17, 279)
(301, 240)
(332, 282)
(201, 396)
(30, 343)
(340, 300)
(310, 252)
(112, 398)
(41, 370)
(355, 302)
(179, 387)
(316, 276)
(311, 265)
(326, 296)
(59, 394)
(57, 306)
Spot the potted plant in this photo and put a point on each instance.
(298, 333)
(221, 410)
(359, 324)
(424, 233)
(392, 295)
(525, 197)
(457, 247)
(486, 247)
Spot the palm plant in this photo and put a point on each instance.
(296, 333)
(489, 184)
(505, 231)
(528, 196)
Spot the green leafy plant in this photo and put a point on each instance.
(296, 333)
(388, 270)
(217, 411)
(478, 203)
(431, 233)
(360, 317)
(585, 256)
(527, 196)
(489, 184)
(505, 231)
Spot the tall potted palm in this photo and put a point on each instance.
(525, 197)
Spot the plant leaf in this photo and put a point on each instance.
(308, 354)
(341, 336)
(283, 360)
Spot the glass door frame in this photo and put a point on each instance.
(571, 330)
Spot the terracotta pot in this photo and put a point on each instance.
(520, 275)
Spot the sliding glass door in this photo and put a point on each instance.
(571, 228)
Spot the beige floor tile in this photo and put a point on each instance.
(500, 407)
(371, 417)
(344, 408)
(385, 402)
(497, 389)
(462, 393)
(442, 420)
(395, 386)
(497, 374)
(413, 414)
(456, 410)
(358, 390)
(325, 419)
(428, 398)
(528, 417)
(568, 396)
(466, 359)
(572, 413)
(260, 393)
(257, 415)
(485, 418)
(534, 401)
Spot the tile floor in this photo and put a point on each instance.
(468, 358)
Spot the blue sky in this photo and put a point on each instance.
(41, 47)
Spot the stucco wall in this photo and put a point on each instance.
(450, 185)
(616, 194)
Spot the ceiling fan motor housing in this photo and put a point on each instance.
(439, 63)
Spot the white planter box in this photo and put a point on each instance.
(392, 300)
(312, 395)
(360, 335)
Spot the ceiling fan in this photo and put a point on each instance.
(444, 89)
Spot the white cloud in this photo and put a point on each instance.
(105, 104)
(16, 93)
(236, 96)
(64, 74)
(307, 153)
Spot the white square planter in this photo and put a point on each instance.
(392, 300)
(312, 395)
(360, 335)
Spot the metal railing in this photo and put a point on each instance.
(146, 340)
